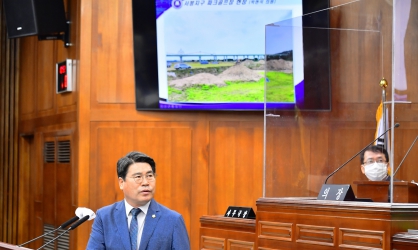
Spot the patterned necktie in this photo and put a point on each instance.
(133, 230)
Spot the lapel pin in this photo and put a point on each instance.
(153, 216)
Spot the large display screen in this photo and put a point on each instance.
(211, 55)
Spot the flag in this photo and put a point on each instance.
(383, 141)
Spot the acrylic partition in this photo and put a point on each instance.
(321, 112)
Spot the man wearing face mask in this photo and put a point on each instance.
(375, 163)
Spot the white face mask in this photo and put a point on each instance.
(376, 171)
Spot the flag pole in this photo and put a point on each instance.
(383, 84)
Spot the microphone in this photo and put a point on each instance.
(78, 223)
(89, 215)
(69, 222)
(335, 171)
(413, 143)
(80, 213)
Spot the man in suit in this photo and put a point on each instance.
(138, 221)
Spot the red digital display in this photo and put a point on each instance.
(62, 77)
(62, 69)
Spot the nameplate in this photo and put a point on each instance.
(334, 192)
(240, 212)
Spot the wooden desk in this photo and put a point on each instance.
(218, 232)
(307, 223)
(403, 192)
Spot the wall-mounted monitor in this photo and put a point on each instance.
(211, 55)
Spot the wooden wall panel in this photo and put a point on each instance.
(9, 171)
(25, 195)
(352, 66)
(113, 52)
(235, 165)
(52, 185)
(320, 162)
(49, 187)
(45, 77)
(361, 53)
(287, 169)
(27, 100)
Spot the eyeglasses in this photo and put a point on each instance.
(139, 178)
(371, 161)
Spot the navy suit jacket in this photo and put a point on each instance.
(163, 229)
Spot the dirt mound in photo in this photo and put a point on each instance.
(255, 65)
(280, 65)
(198, 79)
(239, 72)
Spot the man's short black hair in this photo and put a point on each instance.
(374, 149)
(123, 163)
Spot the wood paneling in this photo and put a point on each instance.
(52, 192)
(218, 232)
(315, 235)
(235, 161)
(9, 171)
(49, 187)
(212, 243)
(25, 194)
(45, 80)
(239, 245)
(275, 230)
(361, 52)
(112, 55)
(27, 103)
(352, 238)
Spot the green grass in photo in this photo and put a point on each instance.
(279, 89)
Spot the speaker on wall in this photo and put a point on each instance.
(34, 17)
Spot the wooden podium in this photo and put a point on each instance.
(378, 191)
(219, 232)
(307, 223)
(6, 246)
(298, 223)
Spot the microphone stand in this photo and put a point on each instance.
(72, 227)
(64, 225)
(27, 242)
(44, 245)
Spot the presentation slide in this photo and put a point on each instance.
(212, 53)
